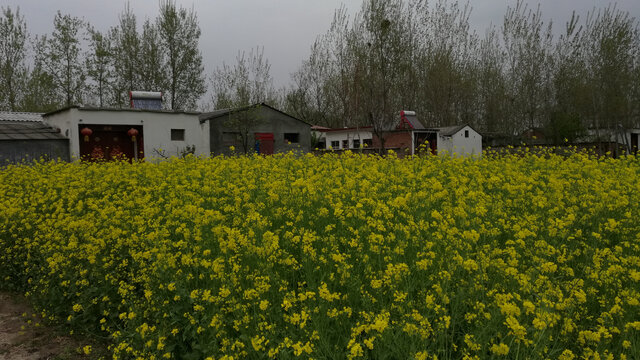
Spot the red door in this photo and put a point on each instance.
(110, 142)
(264, 143)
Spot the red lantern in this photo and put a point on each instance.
(86, 132)
(133, 133)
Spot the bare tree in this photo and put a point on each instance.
(528, 44)
(610, 42)
(242, 88)
(494, 101)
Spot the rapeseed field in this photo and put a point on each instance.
(333, 257)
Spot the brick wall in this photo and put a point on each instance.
(395, 140)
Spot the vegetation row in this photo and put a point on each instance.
(332, 257)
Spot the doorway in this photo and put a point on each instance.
(110, 142)
(264, 143)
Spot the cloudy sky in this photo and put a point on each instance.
(285, 28)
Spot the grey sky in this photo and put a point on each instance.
(286, 28)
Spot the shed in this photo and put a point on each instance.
(24, 137)
(461, 140)
(256, 128)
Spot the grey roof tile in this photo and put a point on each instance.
(27, 130)
(20, 116)
(449, 130)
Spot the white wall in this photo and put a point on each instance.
(156, 128)
(612, 135)
(350, 135)
(459, 145)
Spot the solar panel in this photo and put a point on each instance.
(146, 104)
(146, 100)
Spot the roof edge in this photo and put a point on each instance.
(89, 108)
(223, 112)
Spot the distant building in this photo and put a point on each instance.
(24, 137)
(462, 140)
(261, 128)
(103, 133)
(345, 138)
(407, 137)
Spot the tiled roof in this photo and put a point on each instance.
(19, 116)
(27, 130)
(222, 112)
(450, 130)
(412, 119)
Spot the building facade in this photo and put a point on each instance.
(460, 140)
(100, 133)
(258, 129)
(24, 137)
(407, 137)
(346, 138)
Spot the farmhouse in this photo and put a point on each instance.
(407, 137)
(105, 133)
(345, 138)
(460, 140)
(257, 128)
(23, 136)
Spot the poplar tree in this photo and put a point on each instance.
(13, 50)
(179, 34)
(125, 45)
(40, 93)
(99, 61)
(63, 59)
(152, 78)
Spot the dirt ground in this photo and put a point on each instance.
(24, 337)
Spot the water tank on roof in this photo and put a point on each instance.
(147, 100)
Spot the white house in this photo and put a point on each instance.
(344, 138)
(405, 137)
(134, 133)
(460, 140)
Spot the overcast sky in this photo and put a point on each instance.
(285, 28)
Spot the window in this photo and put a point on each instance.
(292, 138)
(177, 134)
(466, 133)
(335, 144)
(345, 144)
(356, 143)
(230, 138)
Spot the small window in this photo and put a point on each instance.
(466, 133)
(292, 138)
(177, 134)
(335, 144)
(356, 143)
(230, 138)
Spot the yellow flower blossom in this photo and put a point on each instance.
(336, 256)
